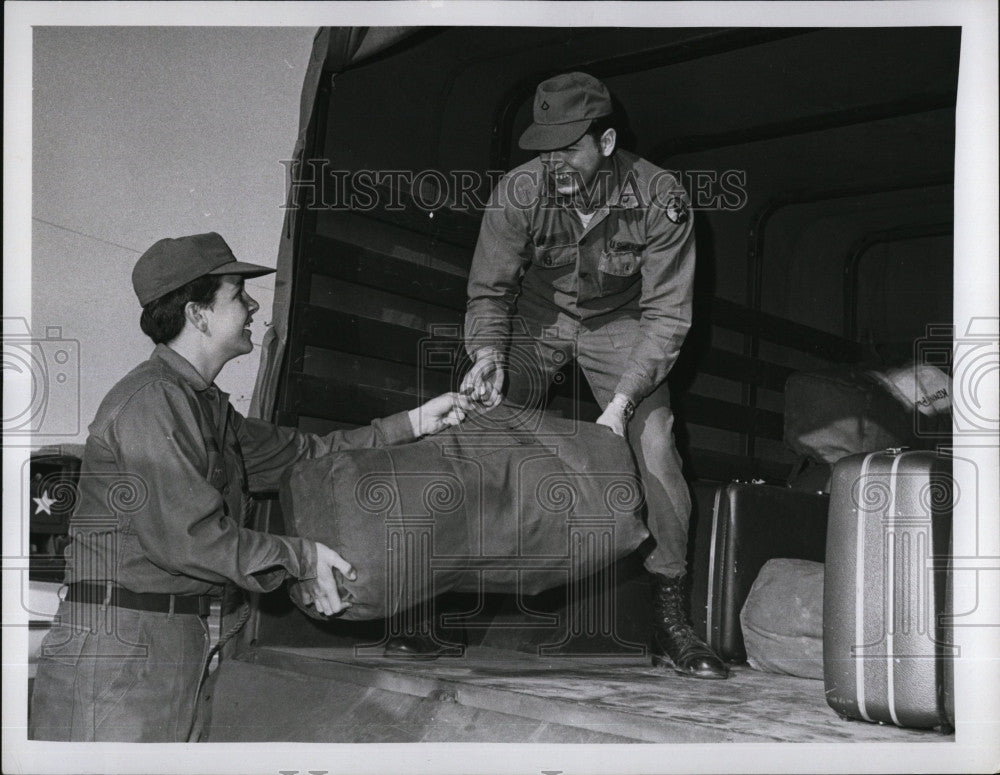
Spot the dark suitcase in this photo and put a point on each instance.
(884, 646)
(494, 505)
(739, 527)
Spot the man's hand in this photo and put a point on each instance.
(485, 379)
(439, 413)
(616, 415)
(322, 590)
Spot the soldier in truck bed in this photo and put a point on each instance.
(174, 462)
(590, 249)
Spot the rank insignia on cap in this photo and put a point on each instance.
(544, 106)
(677, 209)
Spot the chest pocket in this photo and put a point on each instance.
(620, 266)
(216, 464)
(234, 485)
(554, 256)
(225, 463)
(555, 266)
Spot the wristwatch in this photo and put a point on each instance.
(628, 408)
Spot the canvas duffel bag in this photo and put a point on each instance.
(782, 618)
(506, 502)
(839, 412)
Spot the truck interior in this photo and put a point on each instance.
(820, 165)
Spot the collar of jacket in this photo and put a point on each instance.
(618, 197)
(183, 367)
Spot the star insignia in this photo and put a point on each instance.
(44, 503)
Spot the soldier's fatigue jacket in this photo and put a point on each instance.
(167, 466)
(634, 259)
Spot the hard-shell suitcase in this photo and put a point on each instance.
(738, 528)
(884, 646)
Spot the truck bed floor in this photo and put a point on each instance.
(332, 695)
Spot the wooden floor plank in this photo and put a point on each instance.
(254, 703)
(622, 698)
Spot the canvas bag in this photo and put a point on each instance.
(838, 412)
(510, 501)
(782, 618)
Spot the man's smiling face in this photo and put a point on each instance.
(574, 168)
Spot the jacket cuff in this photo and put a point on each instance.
(307, 559)
(266, 580)
(394, 429)
(633, 387)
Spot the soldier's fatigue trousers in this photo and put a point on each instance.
(117, 675)
(542, 343)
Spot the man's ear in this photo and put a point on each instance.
(195, 315)
(608, 140)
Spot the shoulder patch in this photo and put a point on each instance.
(677, 208)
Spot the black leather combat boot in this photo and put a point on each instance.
(675, 644)
(413, 646)
(415, 637)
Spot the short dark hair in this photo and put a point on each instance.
(600, 125)
(163, 318)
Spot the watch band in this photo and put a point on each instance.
(628, 407)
